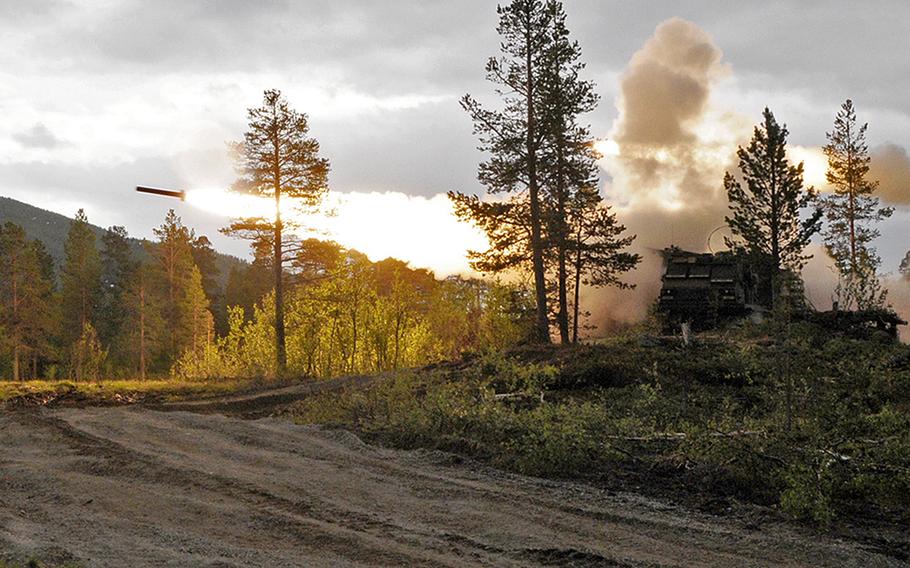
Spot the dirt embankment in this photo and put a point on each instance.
(133, 486)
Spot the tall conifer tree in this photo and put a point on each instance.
(80, 278)
(44, 325)
(568, 162)
(278, 160)
(513, 138)
(851, 212)
(595, 248)
(176, 277)
(24, 296)
(118, 268)
(766, 211)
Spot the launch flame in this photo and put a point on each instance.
(420, 230)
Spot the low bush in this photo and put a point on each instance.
(817, 428)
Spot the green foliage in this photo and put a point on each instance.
(364, 317)
(553, 222)
(87, 357)
(154, 317)
(26, 302)
(175, 286)
(206, 259)
(80, 279)
(766, 212)
(710, 419)
(115, 391)
(503, 375)
(277, 155)
(514, 138)
(851, 212)
(278, 160)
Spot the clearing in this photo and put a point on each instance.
(103, 486)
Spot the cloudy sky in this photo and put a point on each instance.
(99, 96)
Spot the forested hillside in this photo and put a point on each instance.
(111, 306)
(51, 228)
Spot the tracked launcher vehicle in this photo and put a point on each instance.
(706, 289)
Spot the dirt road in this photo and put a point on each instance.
(136, 487)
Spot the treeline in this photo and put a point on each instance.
(347, 315)
(110, 311)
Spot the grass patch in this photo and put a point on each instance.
(108, 392)
(812, 425)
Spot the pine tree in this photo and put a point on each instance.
(173, 269)
(507, 226)
(23, 295)
(278, 160)
(80, 278)
(206, 259)
(766, 212)
(513, 138)
(144, 325)
(851, 212)
(596, 248)
(196, 319)
(568, 161)
(44, 321)
(118, 269)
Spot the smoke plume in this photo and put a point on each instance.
(667, 157)
(891, 167)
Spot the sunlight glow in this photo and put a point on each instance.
(607, 148)
(422, 231)
(815, 164)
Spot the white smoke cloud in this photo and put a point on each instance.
(668, 152)
(669, 149)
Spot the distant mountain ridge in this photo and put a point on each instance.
(51, 229)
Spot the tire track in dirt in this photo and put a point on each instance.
(313, 527)
(105, 485)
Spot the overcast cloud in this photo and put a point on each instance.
(97, 96)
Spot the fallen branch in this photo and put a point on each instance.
(682, 436)
(514, 395)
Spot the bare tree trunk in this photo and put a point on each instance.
(280, 341)
(142, 363)
(575, 306)
(354, 338)
(562, 316)
(172, 296)
(16, 349)
(15, 304)
(852, 209)
(775, 241)
(195, 330)
(397, 339)
(542, 327)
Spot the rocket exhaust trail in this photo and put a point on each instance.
(181, 195)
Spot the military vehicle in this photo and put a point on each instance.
(706, 289)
